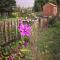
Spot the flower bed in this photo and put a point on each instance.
(18, 48)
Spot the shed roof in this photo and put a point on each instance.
(51, 4)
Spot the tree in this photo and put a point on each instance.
(7, 6)
(39, 5)
(58, 4)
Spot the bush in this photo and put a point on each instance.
(52, 21)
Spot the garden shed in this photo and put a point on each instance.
(49, 9)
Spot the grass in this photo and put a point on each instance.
(49, 42)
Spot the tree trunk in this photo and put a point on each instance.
(2, 13)
(9, 13)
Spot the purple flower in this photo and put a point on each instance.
(24, 29)
(25, 44)
(10, 58)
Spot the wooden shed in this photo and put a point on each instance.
(49, 9)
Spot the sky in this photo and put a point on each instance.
(25, 3)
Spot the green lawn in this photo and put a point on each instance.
(49, 42)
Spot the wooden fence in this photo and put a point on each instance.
(8, 31)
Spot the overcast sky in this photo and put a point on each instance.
(25, 3)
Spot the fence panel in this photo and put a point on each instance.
(8, 31)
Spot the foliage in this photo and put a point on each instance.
(49, 42)
(7, 6)
(15, 45)
(58, 2)
(52, 21)
(39, 5)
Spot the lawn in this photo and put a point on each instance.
(49, 42)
